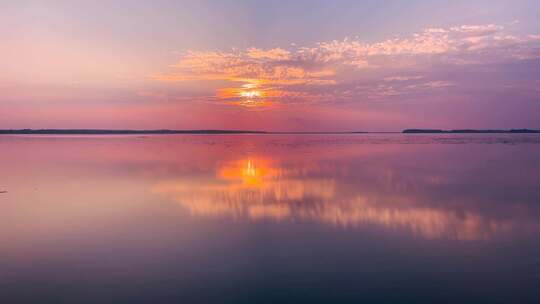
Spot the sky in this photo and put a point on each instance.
(316, 65)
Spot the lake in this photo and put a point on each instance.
(375, 218)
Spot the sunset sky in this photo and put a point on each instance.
(270, 65)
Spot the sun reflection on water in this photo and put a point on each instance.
(257, 188)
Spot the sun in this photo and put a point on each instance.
(248, 95)
(251, 94)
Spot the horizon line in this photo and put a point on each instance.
(83, 131)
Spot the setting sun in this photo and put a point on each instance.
(251, 94)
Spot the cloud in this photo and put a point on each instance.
(251, 66)
(477, 30)
(335, 70)
(402, 78)
(465, 40)
(272, 54)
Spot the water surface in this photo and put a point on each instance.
(270, 219)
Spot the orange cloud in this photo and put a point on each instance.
(273, 54)
(309, 73)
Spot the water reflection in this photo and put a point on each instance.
(463, 191)
(233, 219)
(263, 188)
(255, 188)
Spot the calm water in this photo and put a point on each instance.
(270, 219)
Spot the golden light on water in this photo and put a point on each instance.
(260, 188)
(251, 172)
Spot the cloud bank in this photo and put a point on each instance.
(430, 62)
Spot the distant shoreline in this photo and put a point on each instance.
(468, 131)
(210, 132)
(164, 131)
(121, 132)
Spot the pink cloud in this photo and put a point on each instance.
(335, 70)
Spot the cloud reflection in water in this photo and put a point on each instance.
(261, 188)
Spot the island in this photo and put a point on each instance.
(519, 131)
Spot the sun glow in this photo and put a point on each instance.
(251, 94)
(249, 86)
